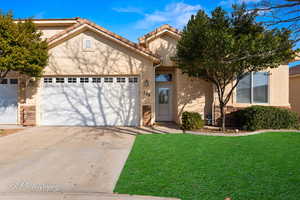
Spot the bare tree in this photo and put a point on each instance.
(282, 13)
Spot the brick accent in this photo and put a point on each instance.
(147, 115)
(28, 115)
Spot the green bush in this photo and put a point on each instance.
(266, 117)
(191, 120)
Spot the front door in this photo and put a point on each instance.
(163, 102)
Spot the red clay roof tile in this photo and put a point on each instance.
(295, 70)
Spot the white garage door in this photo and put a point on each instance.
(8, 101)
(90, 101)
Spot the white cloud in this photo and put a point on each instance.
(129, 10)
(176, 14)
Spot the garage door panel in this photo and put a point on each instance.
(90, 104)
(8, 104)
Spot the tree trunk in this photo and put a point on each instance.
(223, 116)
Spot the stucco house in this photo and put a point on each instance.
(295, 88)
(97, 78)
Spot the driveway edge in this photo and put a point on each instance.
(77, 196)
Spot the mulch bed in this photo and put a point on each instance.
(5, 132)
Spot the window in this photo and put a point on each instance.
(72, 80)
(47, 80)
(96, 80)
(84, 80)
(13, 81)
(133, 80)
(108, 79)
(120, 80)
(87, 44)
(60, 80)
(253, 88)
(4, 81)
(163, 77)
(163, 95)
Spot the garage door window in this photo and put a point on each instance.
(47, 80)
(84, 80)
(4, 81)
(121, 80)
(96, 80)
(72, 80)
(108, 80)
(13, 81)
(60, 80)
(133, 80)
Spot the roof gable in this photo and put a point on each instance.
(83, 24)
(164, 29)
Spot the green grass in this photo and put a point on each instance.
(257, 167)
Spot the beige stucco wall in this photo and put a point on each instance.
(107, 58)
(165, 47)
(190, 94)
(278, 89)
(193, 94)
(49, 31)
(295, 93)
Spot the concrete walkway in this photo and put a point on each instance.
(77, 196)
(63, 159)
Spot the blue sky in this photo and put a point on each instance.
(128, 18)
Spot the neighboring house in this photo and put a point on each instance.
(295, 88)
(96, 78)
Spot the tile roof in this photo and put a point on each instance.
(157, 30)
(295, 70)
(81, 22)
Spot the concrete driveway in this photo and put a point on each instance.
(63, 159)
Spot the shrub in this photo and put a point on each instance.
(266, 117)
(191, 120)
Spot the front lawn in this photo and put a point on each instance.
(257, 167)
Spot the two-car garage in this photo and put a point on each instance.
(89, 101)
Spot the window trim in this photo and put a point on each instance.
(251, 91)
(84, 48)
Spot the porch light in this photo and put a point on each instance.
(146, 83)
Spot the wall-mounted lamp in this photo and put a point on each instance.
(146, 83)
(31, 83)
